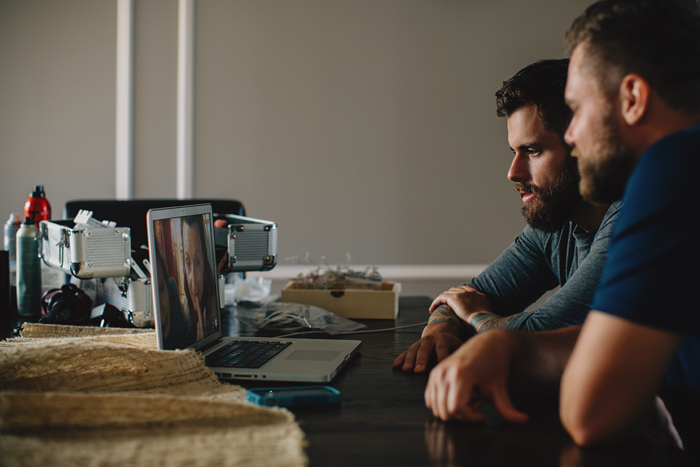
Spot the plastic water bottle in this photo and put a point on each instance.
(37, 205)
(28, 270)
(11, 228)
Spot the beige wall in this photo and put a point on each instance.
(365, 127)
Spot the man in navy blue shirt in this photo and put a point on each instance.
(634, 88)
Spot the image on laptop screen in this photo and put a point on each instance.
(187, 293)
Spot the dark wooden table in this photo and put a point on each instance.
(383, 421)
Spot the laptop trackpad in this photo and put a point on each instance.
(318, 355)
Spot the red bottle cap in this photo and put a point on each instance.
(37, 205)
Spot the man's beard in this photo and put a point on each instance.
(604, 176)
(552, 206)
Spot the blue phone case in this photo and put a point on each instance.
(290, 396)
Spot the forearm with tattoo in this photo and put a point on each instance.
(444, 315)
(479, 321)
(483, 321)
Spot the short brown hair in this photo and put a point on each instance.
(541, 84)
(657, 39)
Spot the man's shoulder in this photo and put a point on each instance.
(547, 242)
(610, 217)
(613, 209)
(674, 155)
(568, 229)
(688, 137)
(531, 232)
(551, 241)
(670, 166)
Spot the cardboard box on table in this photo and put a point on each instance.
(349, 303)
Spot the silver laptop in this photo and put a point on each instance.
(188, 314)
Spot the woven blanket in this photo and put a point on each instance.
(111, 398)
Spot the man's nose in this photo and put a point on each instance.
(519, 171)
(568, 135)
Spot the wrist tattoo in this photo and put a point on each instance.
(444, 315)
(485, 321)
(441, 320)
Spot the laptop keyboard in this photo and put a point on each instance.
(245, 354)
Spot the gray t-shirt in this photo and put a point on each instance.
(538, 261)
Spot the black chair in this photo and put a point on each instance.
(132, 213)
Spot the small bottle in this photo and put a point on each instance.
(28, 270)
(37, 205)
(11, 228)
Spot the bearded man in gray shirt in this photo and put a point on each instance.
(564, 244)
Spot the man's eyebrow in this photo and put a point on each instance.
(529, 146)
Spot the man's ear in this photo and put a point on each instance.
(634, 98)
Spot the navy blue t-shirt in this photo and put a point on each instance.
(652, 276)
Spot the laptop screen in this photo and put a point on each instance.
(183, 265)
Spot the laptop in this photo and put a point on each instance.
(187, 309)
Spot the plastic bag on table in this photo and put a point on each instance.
(251, 289)
(294, 317)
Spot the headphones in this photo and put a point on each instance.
(67, 305)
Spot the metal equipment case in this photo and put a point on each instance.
(251, 243)
(132, 295)
(86, 253)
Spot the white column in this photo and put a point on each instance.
(124, 174)
(185, 100)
